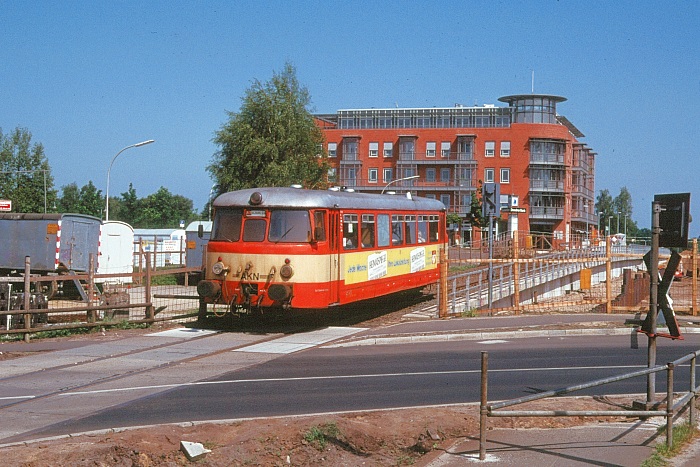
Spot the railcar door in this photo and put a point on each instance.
(334, 256)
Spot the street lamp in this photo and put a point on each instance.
(398, 180)
(609, 219)
(142, 143)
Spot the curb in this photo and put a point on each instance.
(491, 335)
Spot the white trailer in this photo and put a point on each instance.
(116, 252)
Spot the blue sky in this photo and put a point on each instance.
(88, 78)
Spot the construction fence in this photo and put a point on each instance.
(579, 276)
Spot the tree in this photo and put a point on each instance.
(623, 209)
(25, 174)
(86, 200)
(272, 140)
(605, 208)
(162, 209)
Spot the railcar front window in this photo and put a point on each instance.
(227, 225)
(289, 227)
(434, 228)
(254, 230)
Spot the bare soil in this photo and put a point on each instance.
(383, 438)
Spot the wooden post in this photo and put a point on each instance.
(91, 314)
(694, 276)
(442, 299)
(608, 275)
(149, 307)
(27, 295)
(516, 274)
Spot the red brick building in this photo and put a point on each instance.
(444, 153)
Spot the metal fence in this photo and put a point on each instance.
(674, 406)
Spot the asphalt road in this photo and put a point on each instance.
(319, 380)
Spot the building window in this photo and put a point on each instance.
(430, 149)
(430, 175)
(445, 199)
(445, 149)
(373, 174)
(332, 178)
(490, 149)
(505, 175)
(366, 123)
(350, 149)
(423, 122)
(443, 122)
(384, 122)
(505, 148)
(489, 175)
(404, 122)
(332, 149)
(445, 175)
(387, 174)
(373, 149)
(388, 149)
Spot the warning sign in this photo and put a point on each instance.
(5, 205)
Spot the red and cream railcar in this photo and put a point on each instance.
(309, 249)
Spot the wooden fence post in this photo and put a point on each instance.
(149, 303)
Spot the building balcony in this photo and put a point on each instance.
(547, 159)
(547, 186)
(546, 213)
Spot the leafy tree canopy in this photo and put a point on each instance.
(25, 174)
(272, 140)
(86, 200)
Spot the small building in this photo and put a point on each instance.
(196, 244)
(168, 244)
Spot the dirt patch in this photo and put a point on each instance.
(393, 437)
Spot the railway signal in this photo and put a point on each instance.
(665, 303)
(674, 219)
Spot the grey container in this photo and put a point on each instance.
(54, 242)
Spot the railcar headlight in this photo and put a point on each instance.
(286, 271)
(219, 268)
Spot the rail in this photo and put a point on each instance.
(674, 406)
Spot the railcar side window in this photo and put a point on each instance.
(227, 225)
(367, 231)
(254, 230)
(383, 230)
(422, 229)
(349, 231)
(434, 228)
(319, 226)
(411, 230)
(289, 227)
(397, 230)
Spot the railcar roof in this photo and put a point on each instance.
(295, 197)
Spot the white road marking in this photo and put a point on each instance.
(183, 333)
(495, 341)
(340, 377)
(296, 342)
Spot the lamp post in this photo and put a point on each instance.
(142, 143)
(398, 180)
(609, 232)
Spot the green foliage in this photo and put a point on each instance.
(86, 200)
(619, 208)
(161, 209)
(475, 215)
(25, 174)
(272, 141)
(682, 434)
(319, 435)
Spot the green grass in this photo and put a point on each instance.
(319, 435)
(682, 434)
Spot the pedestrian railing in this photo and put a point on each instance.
(672, 408)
